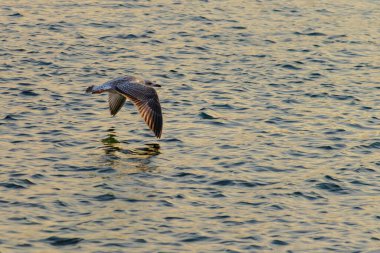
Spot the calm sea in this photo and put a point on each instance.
(271, 135)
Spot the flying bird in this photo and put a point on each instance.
(140, 92)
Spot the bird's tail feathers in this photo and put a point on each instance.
(98, 89)
(89, 89)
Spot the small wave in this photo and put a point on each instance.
(60, 241)
(105, 197)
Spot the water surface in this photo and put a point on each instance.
(271, 127)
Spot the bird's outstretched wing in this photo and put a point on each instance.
(146, 100)
(116, 101)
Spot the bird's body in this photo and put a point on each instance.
(140, 92)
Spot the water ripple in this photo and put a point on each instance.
(271, 127)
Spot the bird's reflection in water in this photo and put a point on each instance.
(123, 153)
(111, 144)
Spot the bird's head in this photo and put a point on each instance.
(151, 83)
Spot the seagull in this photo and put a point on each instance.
(140, 92)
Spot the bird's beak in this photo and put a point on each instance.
(156, 85)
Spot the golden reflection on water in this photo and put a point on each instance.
(252, 151)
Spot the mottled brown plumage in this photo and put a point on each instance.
(140, 92)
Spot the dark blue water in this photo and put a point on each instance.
(271, 134)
